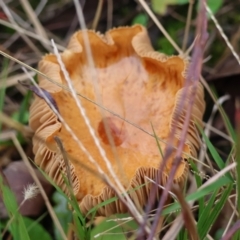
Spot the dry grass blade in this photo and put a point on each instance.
(28, 33)
(35, 21)
(97, 14)
(160, 26)
(174, 229)
(218, 132)
(34, 176)
(220, 109)
(14, 23)
(187, 215)
(229, 235)
(219, 175)
(109, 13)
(203, 152)
(230, 223)
(26, 131)
(224, 36)
(122, 221)
(12, 81)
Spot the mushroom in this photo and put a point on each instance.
(141, 88)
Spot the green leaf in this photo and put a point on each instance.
(141, 18)
(63, 213)
(160, 6)
(35, 230)
(214, 5)
(165, 46)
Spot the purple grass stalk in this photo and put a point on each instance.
(193, 77)
(232, 231)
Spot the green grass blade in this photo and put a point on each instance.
(3, 78)
(157, 140)
(213, 151)
(183, 235)
(225, 118)
(62, 212)
(16, 225)
(204, 217)
(23, 233)
(199, 184)
(35, 229)
(215, 211)
(237, 120)
(79, 219)
(23, 113)
(198, 194)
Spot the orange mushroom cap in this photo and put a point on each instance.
(136, 83)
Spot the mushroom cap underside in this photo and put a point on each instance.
(141, 90)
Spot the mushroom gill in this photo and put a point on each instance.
(136, 83)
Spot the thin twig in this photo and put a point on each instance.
(188, 23)
(41, 189)
(13, 22)
(35, 21)
(224, 36)
(160, 26)
(109, 13)
(220, 109)
(232, 231)
(15, 36)
(207, 127)
(26, 131)
(218, 175)
(22, 31)
(97, 14)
